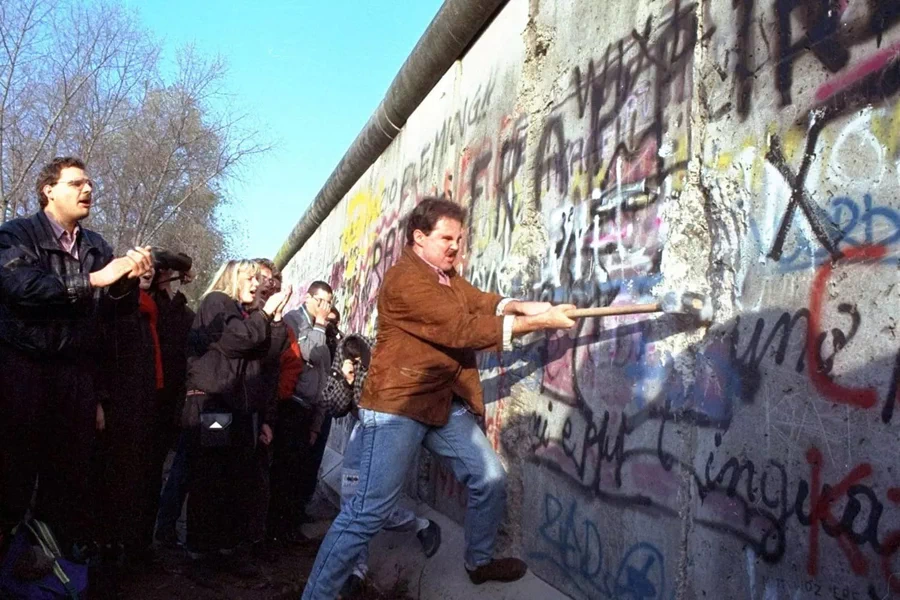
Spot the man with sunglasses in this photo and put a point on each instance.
(299, 420)
(58, 282)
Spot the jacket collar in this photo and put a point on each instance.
(305, 314)
(47, 240)
(423, 266)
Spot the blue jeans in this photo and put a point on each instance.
(400, 519)
(389, 447)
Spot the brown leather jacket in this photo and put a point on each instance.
(425, 347)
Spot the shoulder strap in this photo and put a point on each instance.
(48, 544)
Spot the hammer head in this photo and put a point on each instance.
(688, 303)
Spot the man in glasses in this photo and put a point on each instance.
(58, 281)
(320, 424)
(299, 420)
(269, 277)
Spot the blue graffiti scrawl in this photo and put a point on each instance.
(638, 573)
(859, 223)
(573, 546)
(708, 401)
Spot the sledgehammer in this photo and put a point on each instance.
(679, 303)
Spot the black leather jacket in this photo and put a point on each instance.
(47, 305)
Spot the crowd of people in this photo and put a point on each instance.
(107, 372)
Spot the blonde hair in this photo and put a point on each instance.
(226, 278)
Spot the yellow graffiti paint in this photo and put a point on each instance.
(579, 186)
(794, 143)
(893, 140)
(681, 157)
(363, 209)
(601, 175)
(886, 128)
(482, 223)
(724, 160)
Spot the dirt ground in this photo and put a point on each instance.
(283, 574)
(175, 578)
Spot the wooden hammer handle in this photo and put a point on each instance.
(608, 311)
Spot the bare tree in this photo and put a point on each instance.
(84, 79)
(66, 70)
(176, 149)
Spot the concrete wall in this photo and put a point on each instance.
(609, 150)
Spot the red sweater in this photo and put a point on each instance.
(148, 307)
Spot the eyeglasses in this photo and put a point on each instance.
(79, 183)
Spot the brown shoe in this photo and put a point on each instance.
(499, 569)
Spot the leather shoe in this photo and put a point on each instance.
(430, 538)
(499, 569)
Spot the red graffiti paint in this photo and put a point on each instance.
(820, 502)
(493, 422)
(652, 478)
(859, 397)
(637, 167)
(875, 63)
(558, 378)
(893, 495)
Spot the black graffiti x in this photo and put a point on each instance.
(828, 234)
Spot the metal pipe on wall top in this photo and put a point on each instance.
(448, 35)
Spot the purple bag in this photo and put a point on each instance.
(67, 580)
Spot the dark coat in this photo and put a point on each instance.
(230, 354)
(133, 467)
(47, 305)
(233, 357)
(173, 326)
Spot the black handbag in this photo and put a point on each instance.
(216, 429)
(216, 426)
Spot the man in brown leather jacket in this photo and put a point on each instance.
(423, 388)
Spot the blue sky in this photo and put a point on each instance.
(311, 73)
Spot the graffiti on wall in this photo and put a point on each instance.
(809, 360)
(620, 453)
(616, 397)
(572, 543)
(773, 38)
(610, 152)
